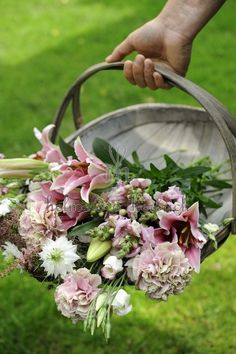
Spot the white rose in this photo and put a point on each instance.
(112, 266)
(121, 303)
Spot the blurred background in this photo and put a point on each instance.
(44, 46)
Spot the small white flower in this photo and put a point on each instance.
(121, 303)
(5, 206)
(112, 266)
(11, 251)
(58, 256)
(211, 228)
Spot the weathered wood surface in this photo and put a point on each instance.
(155, 129)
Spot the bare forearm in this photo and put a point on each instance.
(188, 17)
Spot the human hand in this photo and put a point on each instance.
(156, 43)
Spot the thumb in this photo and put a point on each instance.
(123, 49)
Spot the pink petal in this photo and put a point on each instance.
(85, 190)
(192, 215)
(94, 169)
(194, 257)
(99, 181)
(54, 156)
(80, 150)
(61, 180)
(167, 220)
(162, 235)
(75, 181)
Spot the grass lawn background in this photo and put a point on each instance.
(44, 46)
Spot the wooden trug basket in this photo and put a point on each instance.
(155, 129)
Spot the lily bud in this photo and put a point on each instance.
(101, 315)
(21, 168)
(98, 249)
(100, 301)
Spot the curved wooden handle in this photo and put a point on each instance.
(224, 121)
(73, 95)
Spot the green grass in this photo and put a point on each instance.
(44, 46)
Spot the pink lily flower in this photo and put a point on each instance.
(184, 229)
(89, 173)
(71, 206)
(44, 194)
(50, 152)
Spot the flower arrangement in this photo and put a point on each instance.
(91, 224)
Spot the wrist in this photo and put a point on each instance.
(188, 17)
(179, 23)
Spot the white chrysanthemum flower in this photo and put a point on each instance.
(5, 206)
(121, 303)
(58, 256)
(11, 251)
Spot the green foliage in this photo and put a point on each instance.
(103, 150)
(194, 180)
(66, 149)
(81, 230)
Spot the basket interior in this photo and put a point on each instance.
(152, 129)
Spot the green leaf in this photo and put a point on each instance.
(170, 163)
(104, 151)
(136, 158)
(192, 171)
(154, 169)
(208, 202)
(80, 230)
(220, 184)
(66, 149)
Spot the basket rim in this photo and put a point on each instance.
(204, 116)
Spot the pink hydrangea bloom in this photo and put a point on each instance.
(172, 199)
(39, 222)
(148, 237)
(161, 271)
(142, 183)
(74, 296)
(118, 193)
(132, 211)
(89, 173)
(184, 229)
(148, 203)
(141, 236)
(125, 227)
(49, 152)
